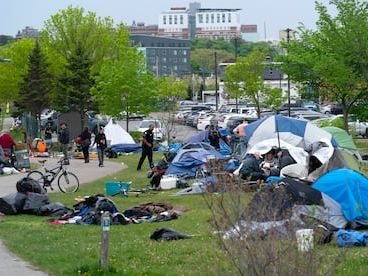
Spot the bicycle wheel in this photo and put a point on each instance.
(68, 182)
(38, 176)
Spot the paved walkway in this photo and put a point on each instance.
(11, 264)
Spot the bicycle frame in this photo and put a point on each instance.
(54, 172)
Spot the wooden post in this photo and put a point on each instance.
(105, 227)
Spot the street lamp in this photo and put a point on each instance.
(216, 90)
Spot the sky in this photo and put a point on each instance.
(274, 14)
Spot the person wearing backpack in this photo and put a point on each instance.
(86, 142)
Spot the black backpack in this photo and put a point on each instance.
(29, 185)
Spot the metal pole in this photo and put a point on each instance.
(236, 57)
(288, 79)
(216, 91)
(105, 226)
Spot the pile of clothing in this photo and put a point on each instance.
(89, 210)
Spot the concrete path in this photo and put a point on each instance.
(12, 265)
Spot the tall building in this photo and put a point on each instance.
(141, 28)
(202, 23)
(164, 55)
(218, 23)
(174, 23)
(27, 32)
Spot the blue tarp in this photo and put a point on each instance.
(201, 136)
(126, 148)
(190, 158)
(348, 188)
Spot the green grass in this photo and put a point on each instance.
(67, 249)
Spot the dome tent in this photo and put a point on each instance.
(350, 189)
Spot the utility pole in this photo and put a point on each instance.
(288, 78)
(216, 91)
(236, 57)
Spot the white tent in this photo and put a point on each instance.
(115, 134)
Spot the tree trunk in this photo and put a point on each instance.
(127, 122)
(345, 116)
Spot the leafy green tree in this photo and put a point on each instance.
(244, 79)
(124, 84)
(34, 89)
(334, 57)
(203, 61)
(73, 91)
(72, 28)
(12, 72)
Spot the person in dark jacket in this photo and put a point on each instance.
(64, 140)
(251, 169)
(101, 142)
(147, 146)
(86, 142)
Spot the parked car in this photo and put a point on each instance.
(95, 120)
(191, 118)
(359, 128)
(334, 109)
(312, 106)
(207, 119)
(223, 119)
(158, 132)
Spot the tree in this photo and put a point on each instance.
(72, 28)
(124, 84)
(12, 72)
(333, 58)
(203, 60)
(170, 91)
(73, 91)
(245, 79)
(35, 87)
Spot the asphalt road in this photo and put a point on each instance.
(180, 132)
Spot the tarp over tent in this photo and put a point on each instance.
(350, 189)
(296, 132)
(117, 135)
(343, 139)
(191, 157)
(119, 139)
(314, 149)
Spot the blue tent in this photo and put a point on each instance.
(190, 158)
(350, 189)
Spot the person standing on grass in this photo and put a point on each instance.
(100, 141)
(64, 141)
(147, 147)
(86, 142)
(48, 137)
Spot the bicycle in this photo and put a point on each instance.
(68, 182)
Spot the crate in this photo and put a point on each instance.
(113, 188)
(22, 159)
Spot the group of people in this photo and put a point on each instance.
(85, 140)
(255, 167)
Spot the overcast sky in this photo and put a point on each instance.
(275, 14)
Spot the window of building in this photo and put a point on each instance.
(164, 19)
(175, 52)
(185, 60)
(212, 18)
(170, 20)
(181, 19)
(207, 18)
(184, 52)
(163, 59)
(218, 18)
(175, 19)
(229, 18)
(200, 18)
(223, 18)
(175, 68)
